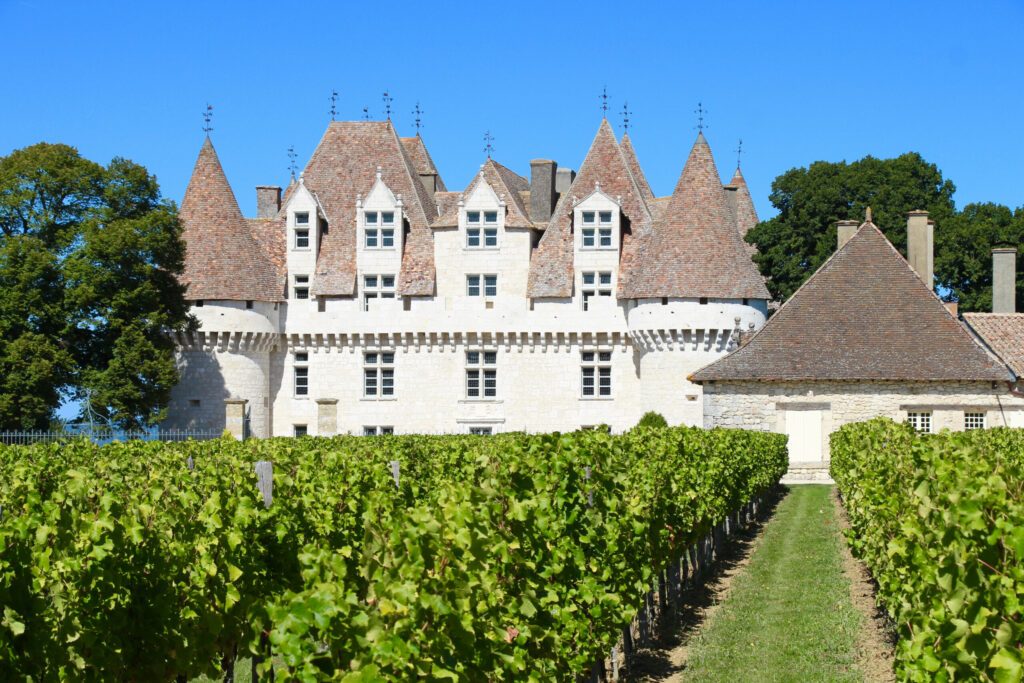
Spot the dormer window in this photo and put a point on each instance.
(301, 218)
(481, 229)
(595, 284)
(597, 230)
(301, 288)
(379, 231)
(302, 238)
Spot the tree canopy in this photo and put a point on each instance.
(793, 244)
(89, 294)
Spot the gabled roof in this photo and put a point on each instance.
(634, 167)
(551, 264)
(421, 160)
(696, 250)
(223, 260)
(864, 315)
(742, 207)
(1004, 334)
(506, 184)
(343, 166)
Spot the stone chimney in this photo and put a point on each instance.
(542, 189)
(1004, 280)
(268, 201)
(844, 231)
(429, 181)
(921, 246)
(563, 180)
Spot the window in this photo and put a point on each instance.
(379, 231)
(301, 371)
(249, 304)
(481, 431)
(481, 374)
(377, 287)
(302, 238)
(596, 373)
(595, 284)
(974, 421)
(301, 218)
(194, 403)
(920, 421)
(299, 430)
(597, 229)
(379, 374)
(378, 431)
(481, 233)
(301, 289)
(487, 285)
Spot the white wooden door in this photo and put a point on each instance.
(803, 427)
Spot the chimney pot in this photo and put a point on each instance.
(1004, 280)
(921, 246)
(268, 201)
(542, 189)
(844, 231)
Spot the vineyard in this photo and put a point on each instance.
(514, 557)
(939, 521)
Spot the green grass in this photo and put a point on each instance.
(788, 616)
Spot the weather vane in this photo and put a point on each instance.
(418, 113)
(488, 143)
(626, 113)
(604, 102)
(291, 161)
(334, 104)
(208, 118)
(700, 111)
(366, 113)
(387, 104)
(739, 153)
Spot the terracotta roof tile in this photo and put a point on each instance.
(864, 315)
(421, 159)
(1004, 334)
(742, 208)
(223, 259)
(269, 233)
(505, 183)
(635, 168)
(696, 250)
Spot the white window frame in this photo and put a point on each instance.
(482, 375)
(481, 431)
(599, 230)
(975, 419)
(374, 287)
(300, 287)
(479, 282)
(379, 234)
(379, 375)
(481, 229)
(300, 374)
(920, 420)
(593, 284)
(300, 430)
(596, 366)
(301, 235)
(301, 218)
(378, 430)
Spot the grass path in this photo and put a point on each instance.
(788, 615)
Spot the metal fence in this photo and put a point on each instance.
(26, 438)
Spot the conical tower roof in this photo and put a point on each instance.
(634, 166)
(695, 249)
(223, 261)
(741, 205)
(864, 315)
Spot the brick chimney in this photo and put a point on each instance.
(844, 231)
(268, 201)
(921, 246)
(1004, 280)
(542, 189)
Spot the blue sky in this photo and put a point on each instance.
(797, 82)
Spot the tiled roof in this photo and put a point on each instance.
(421, 160)
(634, 167)
(742, 207)
(269, 233)
(551, 264)
(1004, 334)
(696, 250)
(506, 184)
(864, 315)
(223, 259)
(343, 166)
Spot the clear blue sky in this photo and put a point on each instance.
(797, 81)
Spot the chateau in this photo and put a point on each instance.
(368, 298)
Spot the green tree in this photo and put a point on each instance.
(793, 244)
(963, 255)
(89, 259)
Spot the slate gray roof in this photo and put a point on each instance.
(1004, 334)
(864, 315)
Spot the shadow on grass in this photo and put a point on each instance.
(654, 662)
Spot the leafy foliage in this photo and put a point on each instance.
(89, 258)
(939, 521)
(652, 419)
(511, 557)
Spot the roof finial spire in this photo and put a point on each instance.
(207, 119)
(604, 102)
(387, 104)
(739, 153)
(366, 113)
(700, 111)
(334, 104)
(291, 160)
(488, 144)
(626, 113)
(418, 113)
(867, 215)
